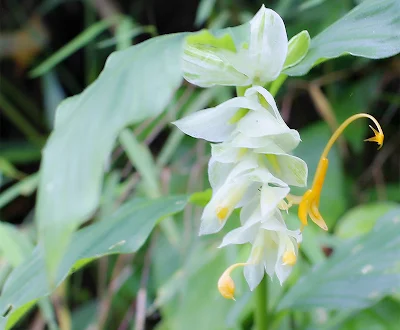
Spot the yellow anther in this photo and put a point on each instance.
(310, 202)
(378, 138)
(289, 258)
(222, 212)
(226, 286)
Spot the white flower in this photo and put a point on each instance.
(206, 66)
(235, 185)
(209, 61)
(274, 246)
(256, 127)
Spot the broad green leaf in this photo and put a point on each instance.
(384, 316)
(357, 275)
(136, 83)
(125, 232)
(370, 30)
(361, 219)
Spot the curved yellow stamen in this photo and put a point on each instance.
(309, 203)
(226, 286)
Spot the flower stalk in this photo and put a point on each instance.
(261, 310)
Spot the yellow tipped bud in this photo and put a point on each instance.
(222, 212)
(226, 286)
(289, 258)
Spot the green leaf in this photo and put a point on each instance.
(75, 44)
(383, 316)
(140, 156)
(125, 232)
(14, 245)
(204, 11)
(297, 49)
(136, 83)
(25, 187)
(370, 30)
(360, 272)
(361, 219)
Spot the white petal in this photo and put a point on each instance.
(254, 273)
(209, 221)
(213, 124)
(206, 67)
(209, 124)
(288, 168)
(225, 152)
(218, 172)
(268, 44)
(271, 252)
(286, 141)
(241, 235)
(257, 124)
(285, 244)
(253, 93)
(274, 222)
(243, 167)
(271, 196)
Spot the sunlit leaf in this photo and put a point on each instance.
(370, 30)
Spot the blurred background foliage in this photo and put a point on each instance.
(52, 49)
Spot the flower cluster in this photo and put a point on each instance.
(251, 167)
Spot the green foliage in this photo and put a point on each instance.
(110, 144)
(73, 160)
(359, 273)
(369, 30)
(125, 232)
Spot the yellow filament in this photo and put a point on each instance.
(379, 137)
(309, 204)
(226, 286)
(289, 258)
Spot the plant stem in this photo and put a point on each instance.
(261, 314)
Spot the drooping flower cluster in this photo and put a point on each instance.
(251, 166)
